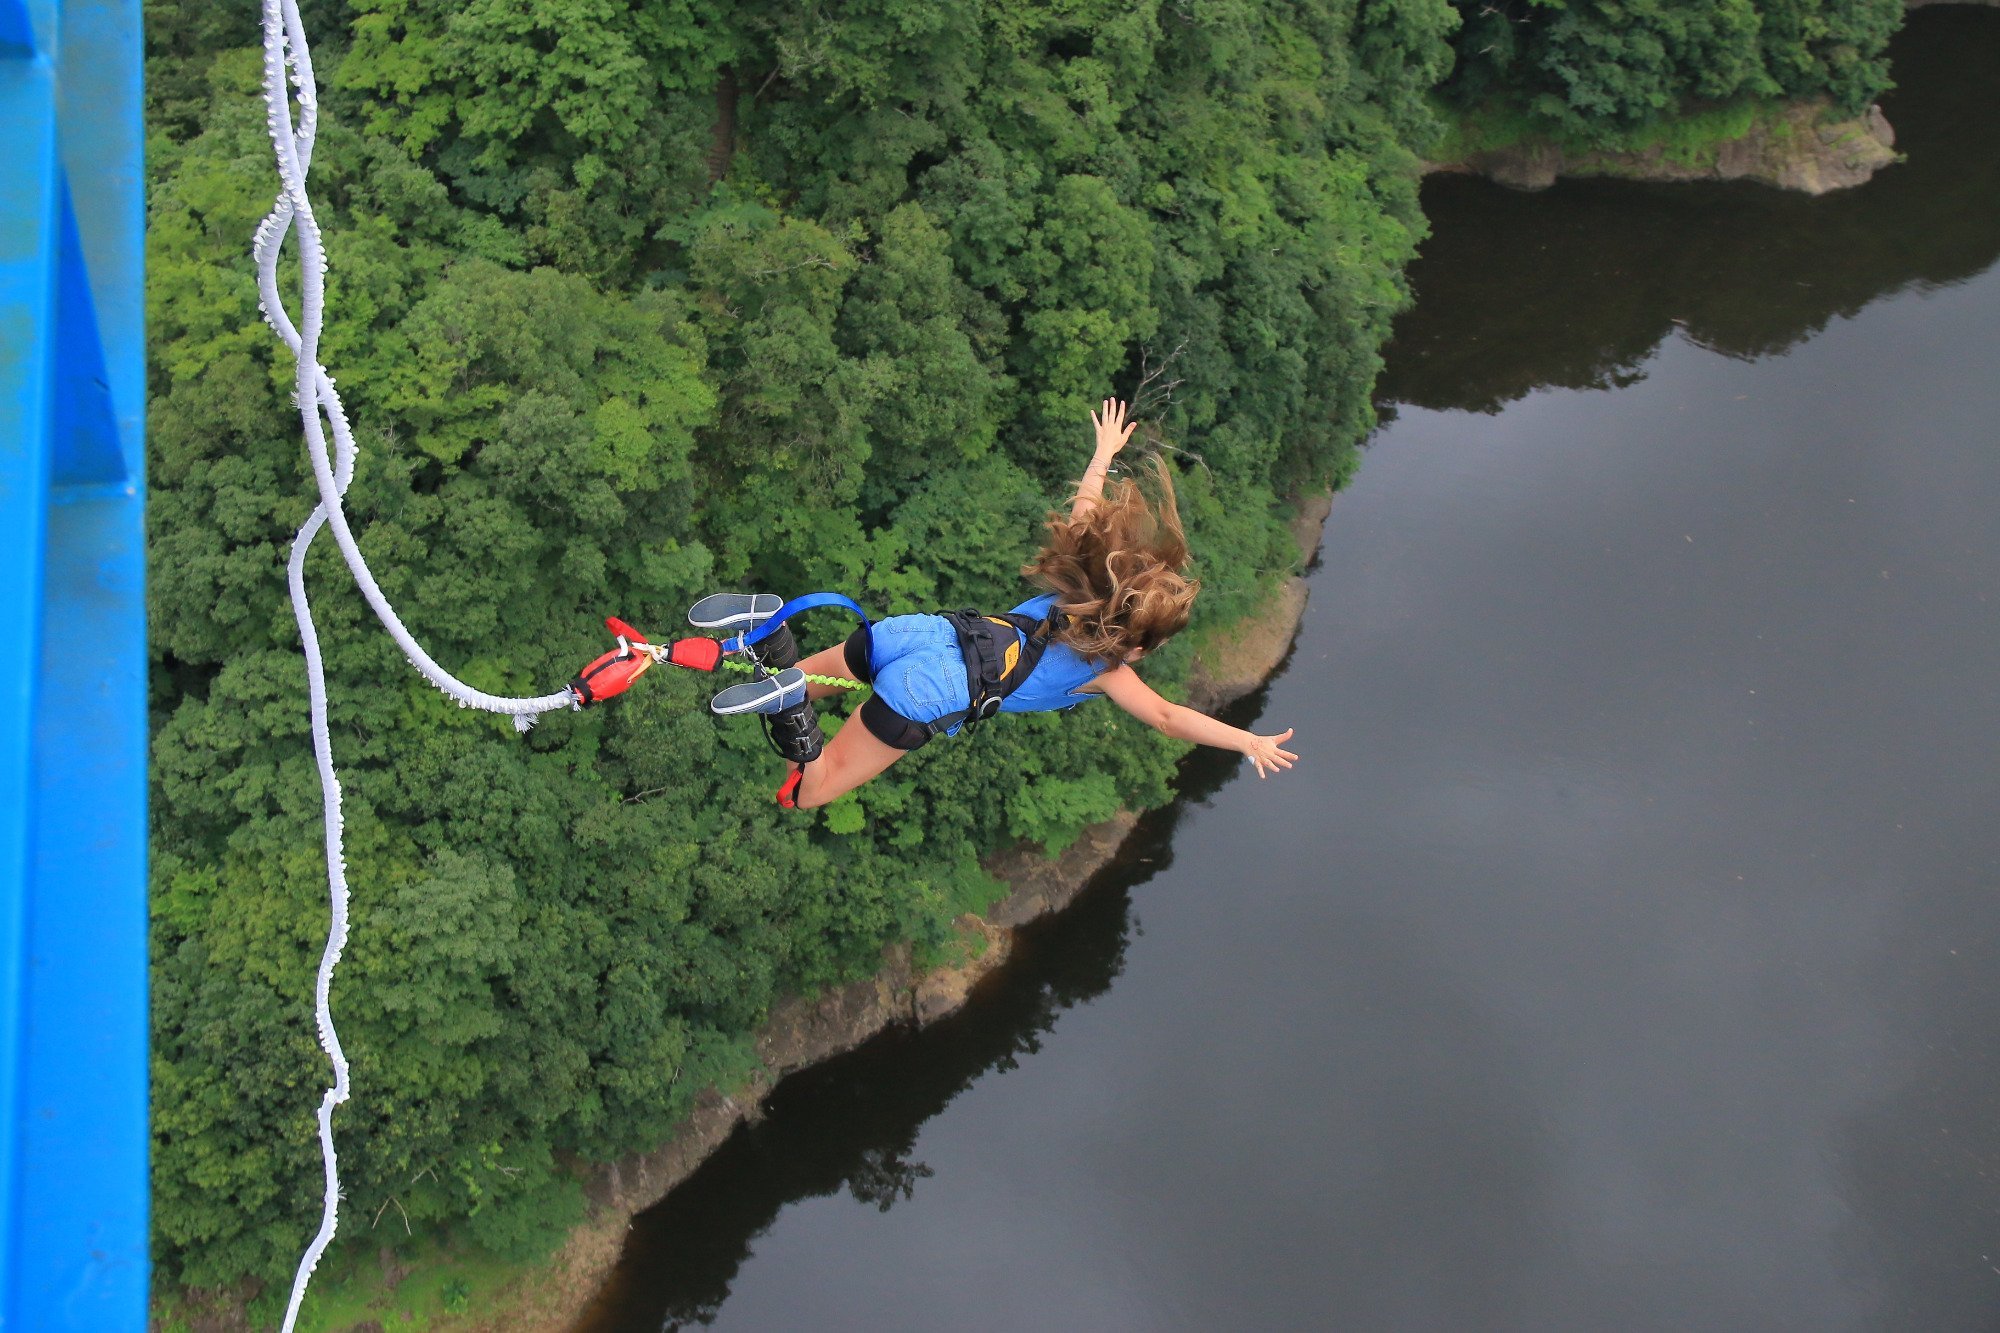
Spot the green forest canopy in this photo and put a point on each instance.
(635, 299)
(1597, 70)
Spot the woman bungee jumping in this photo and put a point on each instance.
(1115, 588)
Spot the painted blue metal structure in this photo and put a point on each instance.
(73, 1182)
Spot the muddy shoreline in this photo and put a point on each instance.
(1803, 146)
(802, 1032)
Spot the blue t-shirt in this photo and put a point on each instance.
(1053, 682)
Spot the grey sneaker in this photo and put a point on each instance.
(768, 694)
(734, 610)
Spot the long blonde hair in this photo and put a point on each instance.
(1119, 570)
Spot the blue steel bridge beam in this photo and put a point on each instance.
(27, 299)
(72, 670)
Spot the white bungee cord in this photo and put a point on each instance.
(287, 73)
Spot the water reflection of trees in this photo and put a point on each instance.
(1576, 288)
(852, 1123)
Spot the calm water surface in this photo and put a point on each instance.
(1625, 953)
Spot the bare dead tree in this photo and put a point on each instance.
(385, 1208)
(1154, 396)
(1156, 392)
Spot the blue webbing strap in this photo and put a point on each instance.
(792, 608)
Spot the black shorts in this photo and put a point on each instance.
(884, 723)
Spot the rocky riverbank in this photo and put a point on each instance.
(1802, 146)
(805, 1031)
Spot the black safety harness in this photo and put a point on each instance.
(1000, 654)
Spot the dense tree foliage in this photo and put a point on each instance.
(1596, 68)
(631, 301)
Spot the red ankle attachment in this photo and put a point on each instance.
(788, 795)
(695, 654)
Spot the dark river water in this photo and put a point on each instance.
(1625, 952)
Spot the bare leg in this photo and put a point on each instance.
(854, 755)
(851, 758)
(826, 662)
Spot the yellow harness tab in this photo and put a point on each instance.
(1012, 658)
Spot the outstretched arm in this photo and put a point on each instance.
(1112, 432)
(1138, 698)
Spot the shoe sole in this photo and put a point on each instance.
(770, 695)
(726, 610)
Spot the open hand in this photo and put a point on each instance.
(1263, 751)
(1112, 428)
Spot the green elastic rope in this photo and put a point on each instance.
(838, 682)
